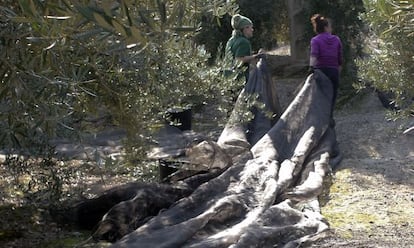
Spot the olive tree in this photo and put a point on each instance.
(66, 62)
(389, 65)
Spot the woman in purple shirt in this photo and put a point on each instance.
(326, 52)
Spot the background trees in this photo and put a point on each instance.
(271, 23)
(271, 26)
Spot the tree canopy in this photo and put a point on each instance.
(65, 62)
(389, 65)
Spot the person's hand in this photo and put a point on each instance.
(260, 56)
(311, 70)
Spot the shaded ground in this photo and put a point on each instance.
(370, 203)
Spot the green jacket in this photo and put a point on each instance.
(238, 46)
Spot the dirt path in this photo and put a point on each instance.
(371, 201)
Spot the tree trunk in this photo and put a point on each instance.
(297, 19)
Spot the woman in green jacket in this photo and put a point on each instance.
(238, 47)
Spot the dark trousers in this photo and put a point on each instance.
(333, 75)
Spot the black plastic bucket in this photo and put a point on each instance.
(179, 117)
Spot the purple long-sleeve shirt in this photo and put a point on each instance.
(326, 51)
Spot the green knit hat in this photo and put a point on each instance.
(238, 22)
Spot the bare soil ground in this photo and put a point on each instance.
(371, 200)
